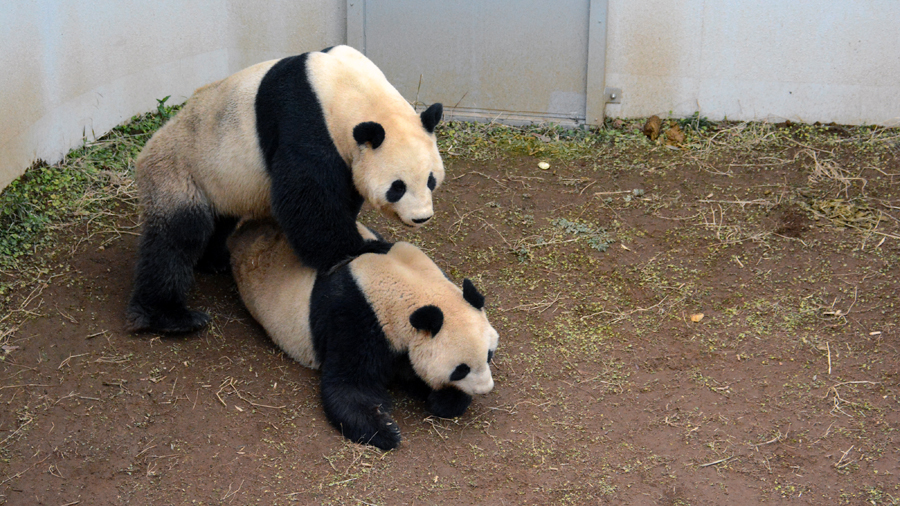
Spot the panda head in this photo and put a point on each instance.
(398, 165)
(458, 344)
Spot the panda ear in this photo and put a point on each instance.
(370, 132)
(472, 295)
(432, 116)
(428, 318)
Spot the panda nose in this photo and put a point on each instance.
(487, 387)
(419, 221)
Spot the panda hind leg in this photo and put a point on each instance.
(216, 259)
(361, 413)
(171, 244)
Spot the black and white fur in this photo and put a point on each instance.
(307, 140)
(380, 319)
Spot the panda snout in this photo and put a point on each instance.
(419, 221)
(484, 387)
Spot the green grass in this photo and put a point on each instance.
(481, 141)
(81, 191)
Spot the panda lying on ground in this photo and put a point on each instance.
(376, 320)
(306, 139)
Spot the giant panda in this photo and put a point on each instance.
(305, 139)
(377, 320)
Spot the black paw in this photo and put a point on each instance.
(382, 432)
(448, 402)
(173, 321)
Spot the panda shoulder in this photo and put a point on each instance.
(410, 256)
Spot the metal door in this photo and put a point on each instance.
(514, 61)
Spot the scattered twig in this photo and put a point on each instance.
(231, 494)
(25, 385)
(229, 382)
(841, 464)
(742, 203)
(144, 451)
(542, 306)
(342, 481)
(623, 315)
(599, 194)
(20, 473)
(492, 178)
(66, 361)
(775, 439)
(720, 461)
(7, 438)
(431, 420)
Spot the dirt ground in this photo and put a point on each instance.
(713, 323)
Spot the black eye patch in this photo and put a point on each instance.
(396, 192)
(432, 182)
(461, 371)
(490, 355)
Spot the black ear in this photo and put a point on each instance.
(432, 116)
(370, 132)
(471, 294)
(429, 318)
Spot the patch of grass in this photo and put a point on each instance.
(697, 123)
(81, 190)
(877, 496)
(597, 238)
(483, 141)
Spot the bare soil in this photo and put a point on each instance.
(678, 327)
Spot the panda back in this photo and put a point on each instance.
(353, 90)
(344, 324)
(275, 287)
(396, 284)
(212, 143)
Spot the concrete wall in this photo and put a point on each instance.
(817, 60)
(73, 69)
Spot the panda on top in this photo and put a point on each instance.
(306, 140)
(376, 320)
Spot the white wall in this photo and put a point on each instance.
(75, 69)
(816, 60)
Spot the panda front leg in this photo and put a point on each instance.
(316, 205)
(448, 402)
(360, 411)
(171, 244)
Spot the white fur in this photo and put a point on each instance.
(276, 288)
(353, 90)
(209, 152)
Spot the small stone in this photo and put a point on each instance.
(543, 165)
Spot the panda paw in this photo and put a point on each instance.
(448, 402)
(139, 319)
(383, 433)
